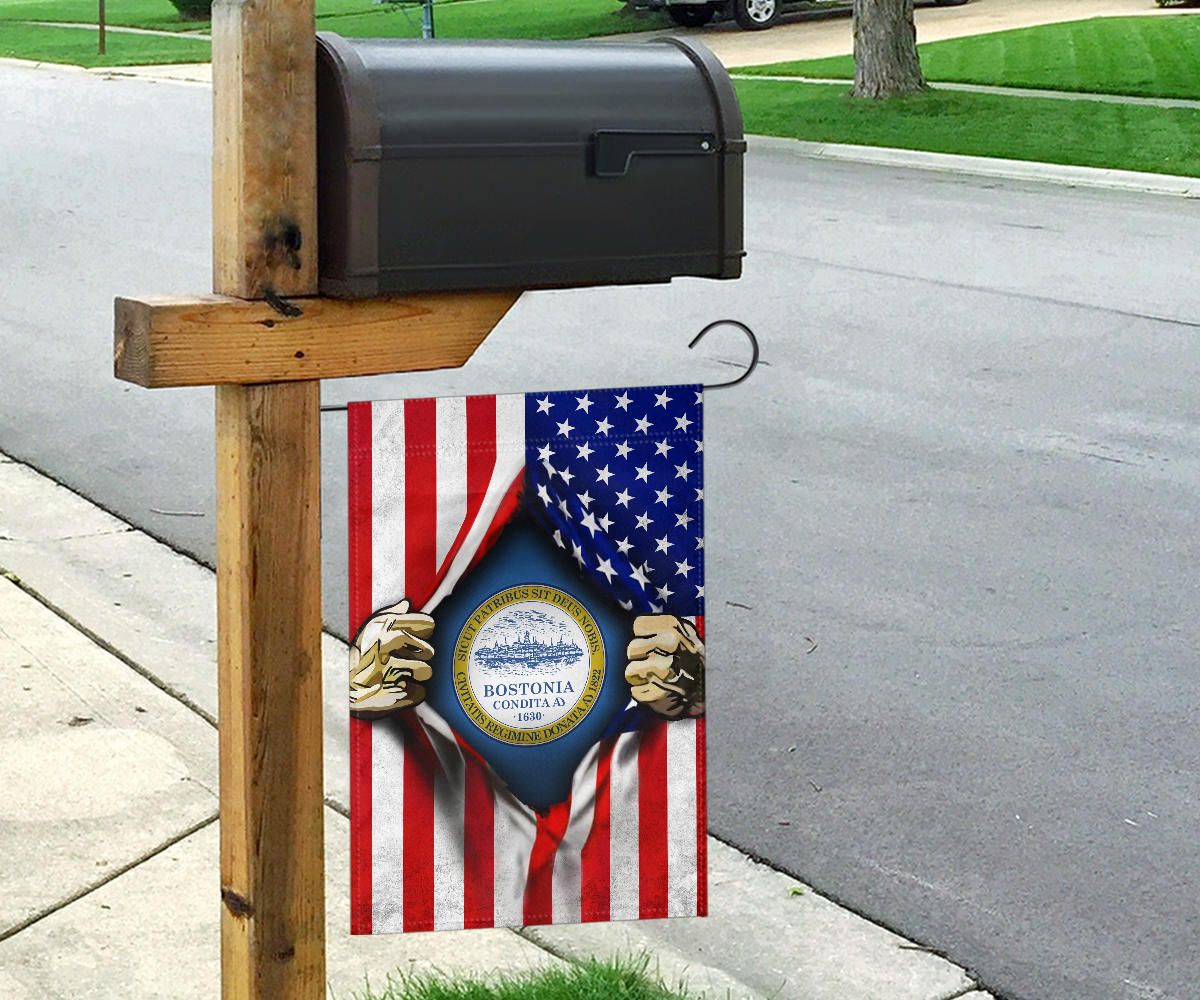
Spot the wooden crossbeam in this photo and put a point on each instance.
(213, 340)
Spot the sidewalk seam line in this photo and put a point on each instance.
(111, 877)
(107, 646)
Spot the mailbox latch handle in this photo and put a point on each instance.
(615, 149)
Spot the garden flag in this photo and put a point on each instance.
(527, 674)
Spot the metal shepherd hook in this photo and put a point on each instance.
(336, 408)
(753, 351)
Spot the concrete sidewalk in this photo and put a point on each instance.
(109, 822)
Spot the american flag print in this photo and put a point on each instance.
(610, 482)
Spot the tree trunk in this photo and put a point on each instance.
(886, 63)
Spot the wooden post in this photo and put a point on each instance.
(265, 357)
(268, 515)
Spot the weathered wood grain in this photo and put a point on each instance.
(269, 656)
(264, 147)
(211, 340)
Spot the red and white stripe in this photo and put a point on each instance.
(437, 840)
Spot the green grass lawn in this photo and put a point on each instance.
(77, 46)
(1084, 133)
(561, 19)
(591, 981)
(1157, 56)
(159, 14)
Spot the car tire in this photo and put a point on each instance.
(692, 15)
(756, 15)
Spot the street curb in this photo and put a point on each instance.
(989, 90)
(985, 166)
(768, 936)
(8, 62)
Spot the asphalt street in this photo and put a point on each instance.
(952, 518)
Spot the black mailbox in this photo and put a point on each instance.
(455, 165)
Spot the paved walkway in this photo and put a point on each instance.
(108, 822)
(978, 88)
(801, 39)
(120, 29)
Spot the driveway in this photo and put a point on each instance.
(797, 38)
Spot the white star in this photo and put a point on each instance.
(643, 521)
(623, 401)
(699, 446)
(585, 498)
(544, 405)
(604, 521)
(585, 450)
(683, 568)
(589, 522)
(700, 542)
(606, 568)
(643, 473)
(655, 609)
(545, 454)
(682, 422)
(683, 471)
(562, 505)
(623, 546)
(578, 554)
(603, 427)
(699, 494)
(639, 577)
(624, 497)
(565, 428)
(663, 496)
(647, 570)
(684, 519)
(643, 424)
(567, 476)
(700, 593)
(699, 397)
(664, 592)
(603, 475)
(627, 605)
(584, 403)
(664, 543)
(543, 494)
(623, 449)
(558, 539)
(662, 448)
(661, 399)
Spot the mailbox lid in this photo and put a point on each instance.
(386, 101)
(464, 92)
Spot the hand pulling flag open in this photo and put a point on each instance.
(527, 677)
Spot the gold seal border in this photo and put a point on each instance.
(462, 652)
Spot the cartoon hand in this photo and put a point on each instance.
(388, 665)
(666, 666)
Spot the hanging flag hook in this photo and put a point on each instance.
(341, 408)
(753, 351)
